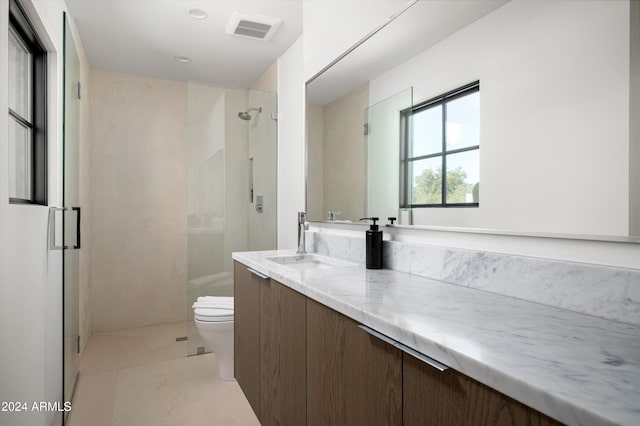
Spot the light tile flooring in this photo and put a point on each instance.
(142, 377)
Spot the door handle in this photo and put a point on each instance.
(52, 228)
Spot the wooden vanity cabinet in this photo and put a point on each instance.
(246, 351)
(270, 346)
(299, 362)
(283, 395)
(353, 378)
(449, 398)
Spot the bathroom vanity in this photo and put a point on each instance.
(270, 347)
(302, 355)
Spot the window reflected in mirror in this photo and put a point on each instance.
(441, 151)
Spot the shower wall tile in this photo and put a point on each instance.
(315, 168)
(85, 196)
(343, 159)
(262, 144)
(262, 138)
(236, 176)
(139, 185)
(268, 81)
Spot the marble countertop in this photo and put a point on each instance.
(578, 369)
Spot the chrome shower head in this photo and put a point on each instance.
(245, 114)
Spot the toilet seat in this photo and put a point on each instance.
(213, 309)
(213, 314)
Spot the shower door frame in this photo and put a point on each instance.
(70, 224)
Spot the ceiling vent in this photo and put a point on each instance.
(252, 26)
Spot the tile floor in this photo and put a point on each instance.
(142, 377)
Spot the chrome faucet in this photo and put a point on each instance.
(302, 226)
(331, 217)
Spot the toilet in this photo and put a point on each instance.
(214, 320)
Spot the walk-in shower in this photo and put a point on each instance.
(245, 114)
(231, 202)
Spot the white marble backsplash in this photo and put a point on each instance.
(602, 291)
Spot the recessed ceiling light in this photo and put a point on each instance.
(182, 59)
(198, 14)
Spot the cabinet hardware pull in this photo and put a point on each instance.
(404, 348)
(258, 274)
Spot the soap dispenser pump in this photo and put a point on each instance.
(374, 245)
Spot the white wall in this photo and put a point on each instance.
(554, 113)
(318, 53)
(291, 152)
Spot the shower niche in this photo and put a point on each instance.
(232, 165)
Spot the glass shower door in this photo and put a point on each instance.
(71, 213)
(231, 203)
(386, 121)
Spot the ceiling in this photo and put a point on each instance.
(144, 36)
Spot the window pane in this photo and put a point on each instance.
(463, 122)
(463, 177)
(427, 132)
(20, 156)
(19, 77)
(426, 181)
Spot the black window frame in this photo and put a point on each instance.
(22, 28)
(406, 185)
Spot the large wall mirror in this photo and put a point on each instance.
(556, 134)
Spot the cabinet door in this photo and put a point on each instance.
(447, 398)
(353, 378)
(247, 333)
(282, 355)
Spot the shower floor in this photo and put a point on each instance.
(141, 377)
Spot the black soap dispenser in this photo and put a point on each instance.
(374, 245)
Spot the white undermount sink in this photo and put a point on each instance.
(309, 261)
